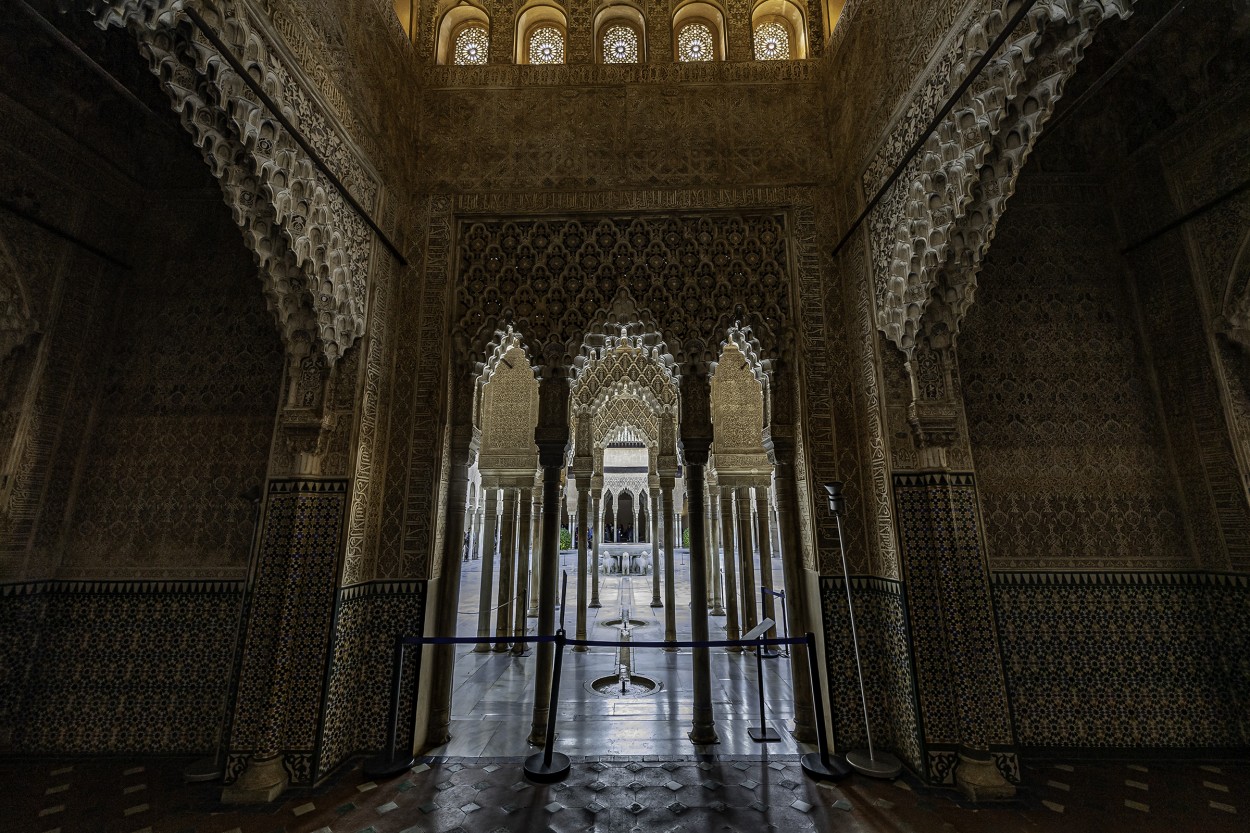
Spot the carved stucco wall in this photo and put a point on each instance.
(737, 414)
(1065, 430)
(510, 414)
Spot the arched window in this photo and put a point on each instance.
(546, 45)
(772, 41)
(472, 46)
(694, 42)
(619, 33)
(699, 32)
(779, 32)
(541, 30)
(620, 45)
(463, 35)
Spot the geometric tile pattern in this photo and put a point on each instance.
(886, 657)
(959, 676)
(289, 624)
(720, 793)
(114, 667)
(369, 618)
(1126, 660)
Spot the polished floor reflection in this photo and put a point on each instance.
(493, 696)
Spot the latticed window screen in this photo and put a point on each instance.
(472, 46)
(772, 42)
(546, 46)
(620, 45)
(694, 43)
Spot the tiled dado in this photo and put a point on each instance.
(961, 692)
(369, 618)
(888, 679)
(116, 666)
(1126, 660)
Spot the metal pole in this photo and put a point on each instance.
(388, 763)
(883, 765)
(764, 734)
(818, 764)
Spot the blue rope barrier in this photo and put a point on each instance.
(603, 643)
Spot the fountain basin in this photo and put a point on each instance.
(610, 686)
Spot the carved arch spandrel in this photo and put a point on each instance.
(558, 279)
(932, 229)
(278, 196)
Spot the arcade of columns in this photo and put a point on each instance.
(624, 391)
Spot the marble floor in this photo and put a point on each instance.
(492, 700)
(686, 794)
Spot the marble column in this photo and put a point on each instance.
(479, 517)
(732, 627)
(696, 442)
(520, 624)
(781, 450)
(583, 514)
(670, 568)
(552, 437)
(637, 505)
(443, 657)
(746, 558)
(764, 536)
(596, 499)
(718, 600)
(536, 546)
(507, 567)
(655, 547)
(488, 570)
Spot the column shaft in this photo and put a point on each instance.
(732, 605)
(520, 626)
(764, 536)
(670, 570)
(507, 566)
(718, 600)
(488, 570)
(796, 599)
(596, 498)
(746, 558)
(550, 564)
(703, 728)
(536, 546)
(583, 513)
(656, 551)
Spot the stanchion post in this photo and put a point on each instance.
(769, 652)
(390, 762)
(820, 765)
(549, 766)
(765, 733)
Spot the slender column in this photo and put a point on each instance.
(637, 505)
(718, 600)
(596, 497)
(711, 557)
(732, 630)
(536, 546)
(479, 516)
(703, 727)
(655, 548)
(507, 565)
(520, 625)
(583, 512)
(670, 569)
(776, 523)
(443, 657)
(782, 452)
(552, 437)
(764, 536)
(488, 571)
(750, 616)
(696, 441)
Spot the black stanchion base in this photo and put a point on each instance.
(384, 766)
(539, 772)
(765, 734)
(816, 768)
